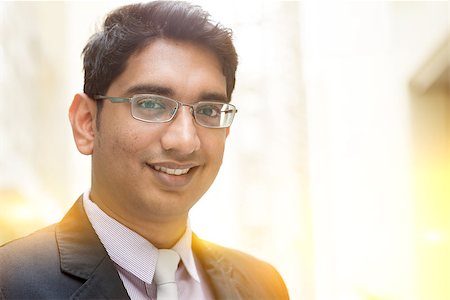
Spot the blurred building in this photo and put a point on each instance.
(430, 121)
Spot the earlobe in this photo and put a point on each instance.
(82, 114)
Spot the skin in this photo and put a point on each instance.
(125, 151)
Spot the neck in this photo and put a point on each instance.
(162, 235)
(161, 232)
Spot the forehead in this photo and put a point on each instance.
(183, 67)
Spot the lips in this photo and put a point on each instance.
(172, 168)
(173, 175)
(170, 171)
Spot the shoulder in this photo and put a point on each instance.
(254, 277)
(236, 257)
(37, 251)
(33, 259)
(39, 244)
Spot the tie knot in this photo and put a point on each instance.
(166, 266)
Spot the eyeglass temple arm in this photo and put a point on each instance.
(112, 99)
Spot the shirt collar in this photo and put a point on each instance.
(130, 250)
(184, 248)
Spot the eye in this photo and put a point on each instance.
(209, 110)
(152, 104)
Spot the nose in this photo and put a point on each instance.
(181, 134)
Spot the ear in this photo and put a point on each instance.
(82, 114)
(228, 131)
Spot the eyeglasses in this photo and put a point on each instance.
(159, 109)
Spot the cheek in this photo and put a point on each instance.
(135, 144)
(117, 139)
(123, 134)
(214, 145)
(125, 143)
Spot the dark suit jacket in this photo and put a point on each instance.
(68, 261)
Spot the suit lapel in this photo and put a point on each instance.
(104, 283)
(222, 278)
(82, 255)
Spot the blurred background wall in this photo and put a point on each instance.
(337, 168)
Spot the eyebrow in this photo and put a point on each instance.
(168, 92)
(150, 89)
(213, 96)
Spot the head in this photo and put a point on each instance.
(153, 171)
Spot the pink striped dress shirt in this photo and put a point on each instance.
(135, 258)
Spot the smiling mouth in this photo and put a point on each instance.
(176, 172)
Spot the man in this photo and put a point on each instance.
(154, 116)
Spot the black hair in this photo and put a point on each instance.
(130, 28)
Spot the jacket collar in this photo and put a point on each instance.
(82, 255)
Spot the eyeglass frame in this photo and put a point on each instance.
(179, 104)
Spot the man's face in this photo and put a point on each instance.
(133, 162)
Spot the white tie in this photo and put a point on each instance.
(166, 286)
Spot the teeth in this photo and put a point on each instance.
(169, 171)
